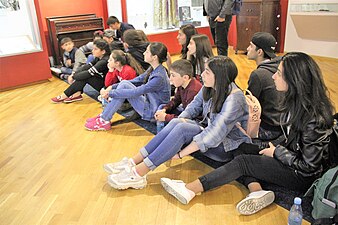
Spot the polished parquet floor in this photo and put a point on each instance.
(51, 167)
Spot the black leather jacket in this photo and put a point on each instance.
(303, 151)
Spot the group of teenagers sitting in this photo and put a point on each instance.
(293, 136)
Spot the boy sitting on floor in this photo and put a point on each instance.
(73, 58)
(181, 76)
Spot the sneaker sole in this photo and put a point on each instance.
(75, 100)
(126, 186)
(172, 191)
(253, 205)
(56, 102)
(99, 129)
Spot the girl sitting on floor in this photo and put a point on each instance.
(297, 161)
(122, 66)
(199, 51)
(145, 93)
(221, 107)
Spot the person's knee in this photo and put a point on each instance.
(124, 84)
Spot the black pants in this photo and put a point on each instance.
(219, 32)
(252, 167)
(96, 82)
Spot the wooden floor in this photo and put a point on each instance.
(51, 167)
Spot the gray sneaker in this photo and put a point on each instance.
(113, 168)
(255, 201)
(127, 179)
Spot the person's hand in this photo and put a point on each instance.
(68, 62)
(104, 93)
(268, 151)
(219, 19)
(70, 79)
(160, 115)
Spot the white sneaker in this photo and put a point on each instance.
(55, 70)
(177, 189)
(255, 201)
(113, 168)
(127, 179)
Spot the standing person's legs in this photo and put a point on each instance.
(221, 35)
(212, 25)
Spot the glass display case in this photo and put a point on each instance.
(158, 16)
(20, 32)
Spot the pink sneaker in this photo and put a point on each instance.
(73, 99)
(93, 118)
(57, 99)
(98, 124)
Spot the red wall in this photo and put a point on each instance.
(70, 7)
(284, 11)
(27, 68)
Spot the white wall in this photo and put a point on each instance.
(312, 31)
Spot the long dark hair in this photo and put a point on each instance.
(127, 59)
(189, 30)
(307, 95)
(203, 50)
(225, 71)
(134, 37)
(161, 51)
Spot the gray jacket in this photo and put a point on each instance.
(214, 8)
(221, 126)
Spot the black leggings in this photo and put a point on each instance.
(251, 166)
(96, 82)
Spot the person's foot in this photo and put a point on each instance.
(177, 189)
(98, 124)
(64, 76)
(255, 201)
(127, 179)
(56, 71)
(93, 118)
(57, 99)
(117, 167)
(73, 99)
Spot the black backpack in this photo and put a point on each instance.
(331, 159)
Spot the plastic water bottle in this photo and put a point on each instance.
(159, 126)
(296, 212)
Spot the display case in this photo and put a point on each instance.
(20, 31)
(157, 16)
(312, 27)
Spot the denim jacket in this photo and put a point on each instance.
(221, 126)
(156, 90)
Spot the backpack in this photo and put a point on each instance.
(331, 159)
(325, 198)
(236, 7)
(254, 119)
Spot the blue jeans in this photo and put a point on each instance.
(170, 141)
(66, 70)
(137, 102)
(90, 59)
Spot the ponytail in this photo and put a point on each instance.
(131, 61)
